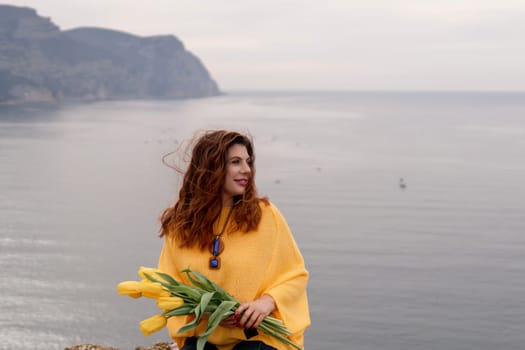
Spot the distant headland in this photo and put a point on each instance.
(41, 63)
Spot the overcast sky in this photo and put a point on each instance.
(327, 44)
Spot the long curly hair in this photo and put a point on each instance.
(200, 197)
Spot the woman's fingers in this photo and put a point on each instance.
(244, 314)
(229, 322)
(257, 321)
(251, 314)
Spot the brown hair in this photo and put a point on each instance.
(200, 197)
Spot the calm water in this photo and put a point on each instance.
(438, 265)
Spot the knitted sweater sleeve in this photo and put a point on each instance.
(287, 280)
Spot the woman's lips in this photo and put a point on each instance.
(242, 182)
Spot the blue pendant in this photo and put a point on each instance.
(215, 262)
(216, 248)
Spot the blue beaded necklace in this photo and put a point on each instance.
(217, 246)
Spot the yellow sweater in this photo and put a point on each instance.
(264, 261)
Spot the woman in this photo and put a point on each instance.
(221, 228)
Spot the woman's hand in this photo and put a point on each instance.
(228, 322)
(251, 314)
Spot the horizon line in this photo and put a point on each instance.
(223, 90)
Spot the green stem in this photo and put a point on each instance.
(279, 337)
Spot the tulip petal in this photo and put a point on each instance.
(131, 288)
(152, 324)
(169, 303)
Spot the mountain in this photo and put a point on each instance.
(39, 62)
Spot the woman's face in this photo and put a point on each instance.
(238, 172)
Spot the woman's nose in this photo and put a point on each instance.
(246, 168)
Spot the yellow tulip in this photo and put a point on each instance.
(150, 271)
(169, 303)
(152, 324)
(152, 290)
(131, 288)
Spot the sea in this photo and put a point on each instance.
(408, 207)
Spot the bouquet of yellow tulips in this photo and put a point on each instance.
(202, 296)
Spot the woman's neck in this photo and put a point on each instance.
(227, 201)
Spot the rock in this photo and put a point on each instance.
(157, 346)
(41, 63)
(89, 347)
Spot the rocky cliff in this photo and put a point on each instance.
(39, 62)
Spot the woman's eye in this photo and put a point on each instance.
(236, 161)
